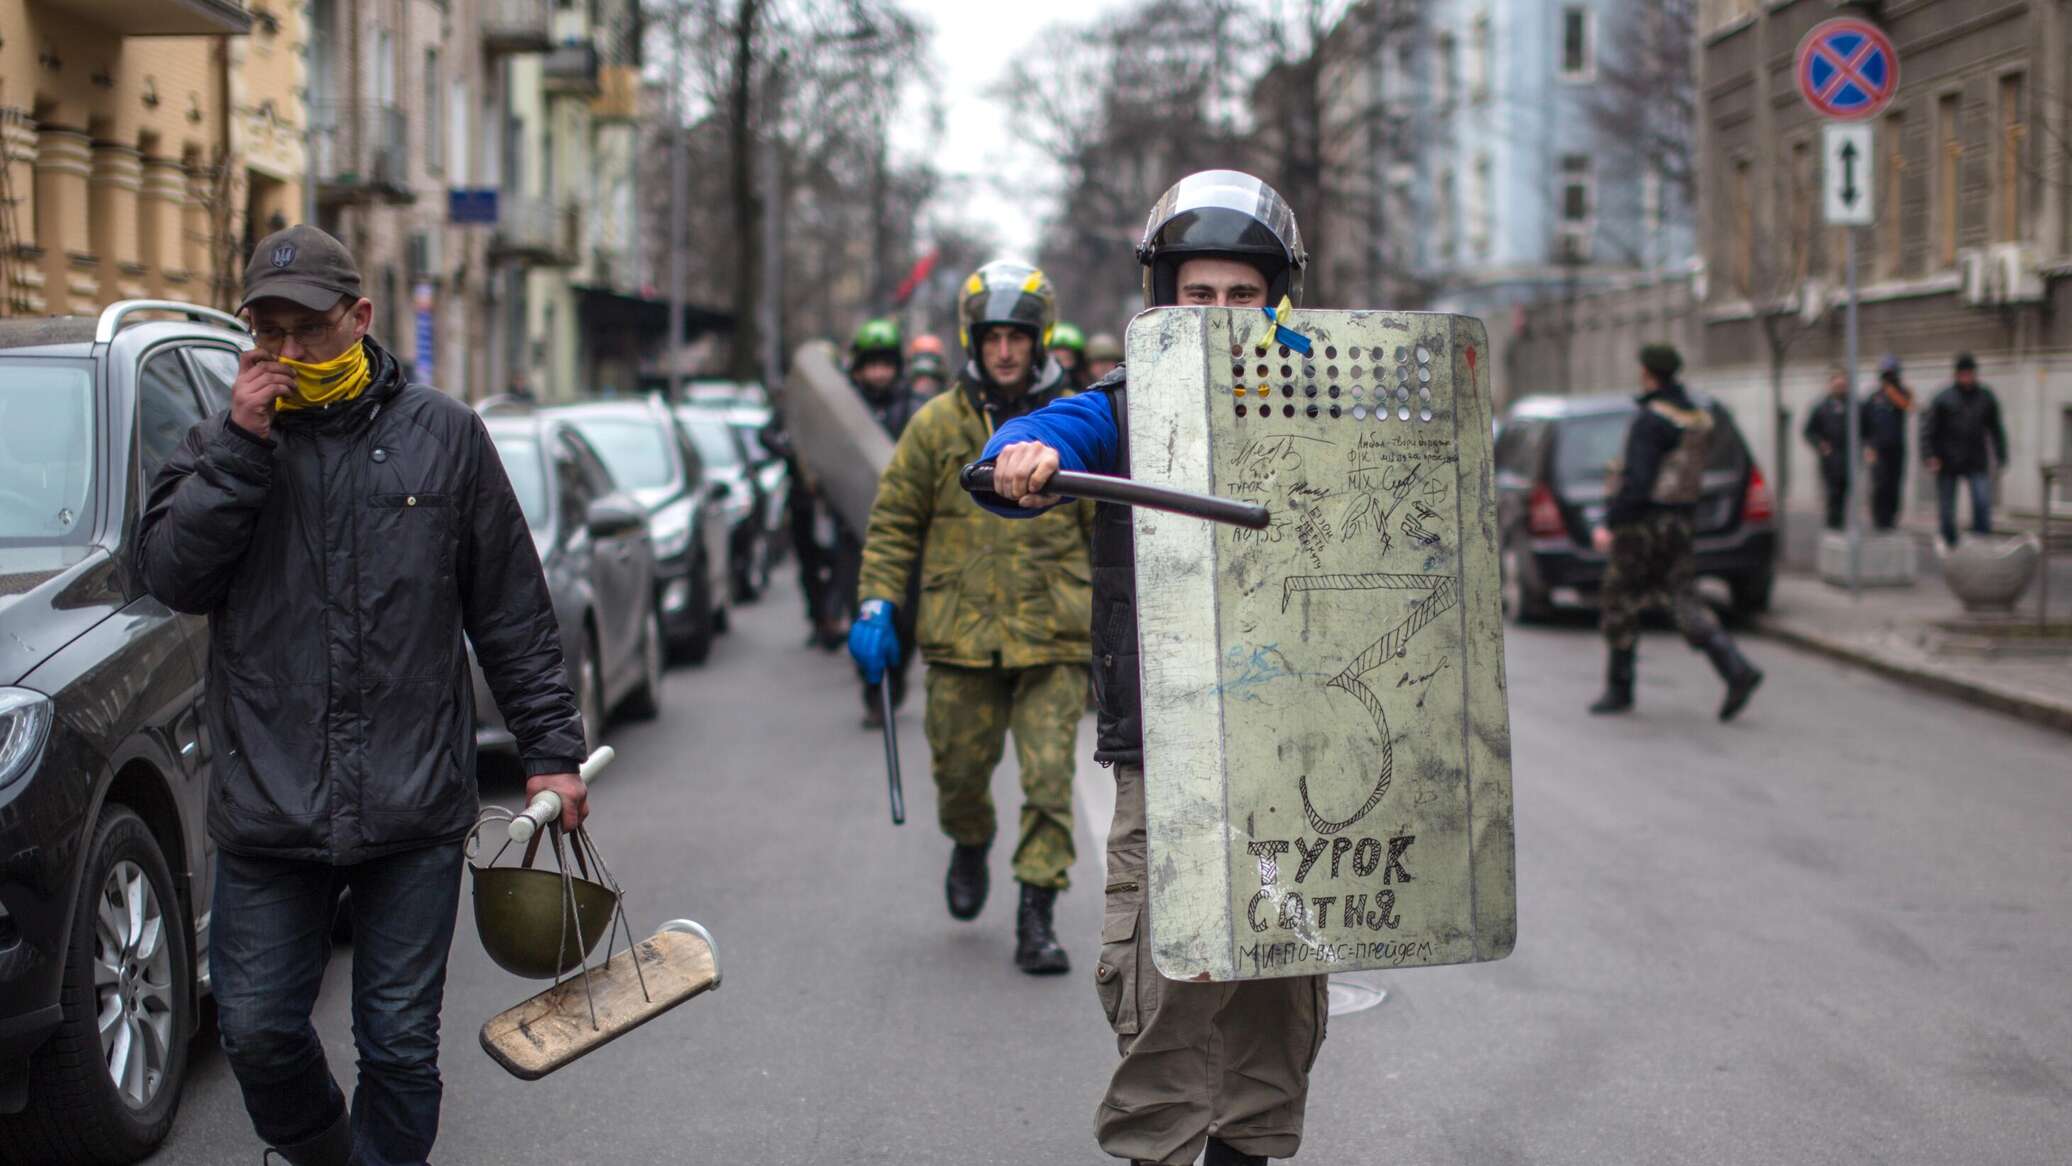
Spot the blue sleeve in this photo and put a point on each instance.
(1082, 430)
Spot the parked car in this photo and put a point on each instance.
(105, 866)
(773, 479)
(726, 462)
(652, 458)
(1552, 455)
(593, 544)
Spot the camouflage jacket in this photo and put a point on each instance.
(993, 593)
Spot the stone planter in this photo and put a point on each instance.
(1988, 574)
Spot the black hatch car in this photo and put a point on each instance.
(1552, 457)
(726, 462)
(105, 869)
(593, 543)
(652, 458)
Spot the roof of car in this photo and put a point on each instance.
(615, 407)
(45, 331)
(1577, 406)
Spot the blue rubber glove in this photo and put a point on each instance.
(873, 641)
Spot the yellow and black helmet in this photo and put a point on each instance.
(1010, 292)
(1224, 214)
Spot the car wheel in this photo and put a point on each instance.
(106, 1084)
(590, 694)
(646, 702)
(1524, 603)
(1751, 593)
(741, 573)
(695, 644)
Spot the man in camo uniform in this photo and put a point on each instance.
(1005, 608)
(1650, 523)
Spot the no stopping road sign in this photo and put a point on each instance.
(1847, 69)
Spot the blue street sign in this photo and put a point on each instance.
(471, 204)
(1847, 69)
(426, 366)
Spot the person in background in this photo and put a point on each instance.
(876, 368)
(927, 367)
(1884, 421)
(1827, 431)
(1962, 440)
(1103, 355)
(1068, 348)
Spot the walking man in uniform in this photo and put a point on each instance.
(1649, 524)
(341, 528)
(1003, 611)
(1221, 1067)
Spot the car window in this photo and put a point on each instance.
(594, 473)
(215, 371)
(1727, 452)
(714, 439)
(1514, 448)
(522, 464)
(46, 452)
(576, 492)
(635, 450)
(1585, 445)
(166, 410)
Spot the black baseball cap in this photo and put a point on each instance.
(302, 265)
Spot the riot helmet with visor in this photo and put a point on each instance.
(1225, 214)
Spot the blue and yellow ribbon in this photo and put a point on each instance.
(1282, 334)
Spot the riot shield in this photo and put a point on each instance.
(1326, 740)
(840, 446)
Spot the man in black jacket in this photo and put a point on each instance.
(1962, 440)
(1827, 431)
(1649, 525)
(1885, 441)
(342, 529)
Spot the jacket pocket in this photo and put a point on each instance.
(409, 603)
(935, 628)
(1072, 597)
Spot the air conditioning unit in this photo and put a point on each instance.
(1974, 276)
(1814, 298)
(424, 256)
(2015, 275)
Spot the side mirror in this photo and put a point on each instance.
(717, 491)
(613, 516)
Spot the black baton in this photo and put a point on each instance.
(978, 478)
(891, 751)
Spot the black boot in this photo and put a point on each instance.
(1220, 1154)
(1036, 949)
(331, 1147)
(966, 884)
(1734, 668)
(1618, 683)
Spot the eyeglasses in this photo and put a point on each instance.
(307, 336)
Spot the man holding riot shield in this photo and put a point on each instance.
(1003, 609)
(1217, 1065)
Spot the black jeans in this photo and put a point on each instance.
(1980, 483)
(1886, 478)
(270, 939)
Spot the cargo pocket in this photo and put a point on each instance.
(1115, 977)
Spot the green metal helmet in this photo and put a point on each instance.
(1010, 292)
(875, 338)
(1065, 334)
(927, 364)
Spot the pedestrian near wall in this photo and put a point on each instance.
(1885, 414)
(1827, 431)
(1962, 440)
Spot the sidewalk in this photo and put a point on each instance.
(1889, 630)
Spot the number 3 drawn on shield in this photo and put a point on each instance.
(1440, 593)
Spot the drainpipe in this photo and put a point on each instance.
(231, 249)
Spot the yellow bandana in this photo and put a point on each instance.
(329, 383)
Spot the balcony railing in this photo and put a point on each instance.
(570, 69)
(361, 151)
(535, 231)
(161, 17)
(515, 26)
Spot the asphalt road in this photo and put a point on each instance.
(1832, 932)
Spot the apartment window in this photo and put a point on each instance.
(1803, 199)
(1443, 84)
(1481, 203)
(1651, 205)
(1578, 43)
(1481, 60)
(2009, 206)
(434, 125)
(1892, 232)
(457, 130)
(1949, 158)
(1446, 213)
(1578, 198)
(1742, 199)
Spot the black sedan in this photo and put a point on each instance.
(726, 462)
(593, 544)
(105, 870)
(652, 458)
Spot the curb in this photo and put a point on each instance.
(2021, 705)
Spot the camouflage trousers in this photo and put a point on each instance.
(970, 711)
(1653, 565)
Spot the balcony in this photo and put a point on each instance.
(534, 231)
(160, 17)
(515, 26)
(361, 152)
(570, 69)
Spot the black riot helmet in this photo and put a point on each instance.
(1225, 214)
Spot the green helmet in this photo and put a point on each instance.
(927, 364)
(1065, 334)
(1006, 291)
(878, 337)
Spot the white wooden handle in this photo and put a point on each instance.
(546, 808)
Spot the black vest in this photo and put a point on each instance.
(1119, 737)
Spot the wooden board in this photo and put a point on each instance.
(1327, 742)
(553, 1028)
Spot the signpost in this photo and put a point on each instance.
(1848, 72)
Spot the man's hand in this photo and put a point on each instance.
(1826, 449)
(1934, 465)
(261, 380)
(1870, 456)
(575, 796)
(1022, 471)
(874, 640)
(1601, 540)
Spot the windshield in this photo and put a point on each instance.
(634, 450)
(714, 439)
(46, 452)
(521, 458)
(1584, 446)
